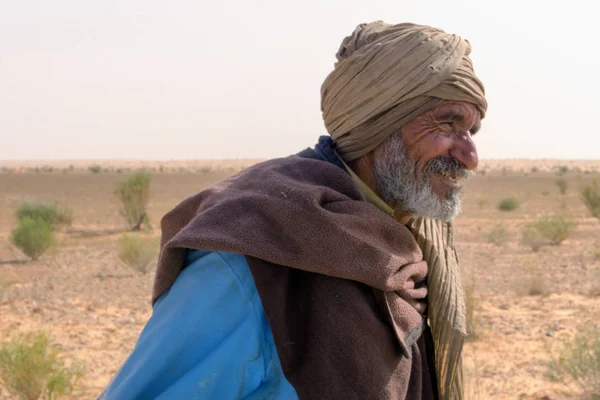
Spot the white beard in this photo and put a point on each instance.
(402, 189)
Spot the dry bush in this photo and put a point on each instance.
(497, 235)
(578, 361)
(555, 228)
(531, 237)
(562, 185)
(137, 251)
(482, 203)
(33, 237)
(134, 194)
(508, 204)
(536, 284)
(30, 369)
(95, 169)
(590, 195)
(50, 213)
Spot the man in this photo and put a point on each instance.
(315, 276)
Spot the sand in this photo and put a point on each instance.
(94, 306)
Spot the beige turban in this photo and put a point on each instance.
(387, 75)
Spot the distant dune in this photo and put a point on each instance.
(524, 165)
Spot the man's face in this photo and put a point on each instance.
(420, 169)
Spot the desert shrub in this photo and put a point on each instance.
(545, 193)
(482, 203)
(562, 185)
(508, 204)
(590, 195)
(535, 283)
(530, 236)
(563, 169)
(578, 361)
(137, 252)
(555, 228)
(30, 369)
(134, 194)
(497, 235)
(95, 169)
(534, 169)
(33, 237)
(205, 170)
(49, 213)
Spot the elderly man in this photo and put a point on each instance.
(330, 274)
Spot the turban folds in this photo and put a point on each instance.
(387, 75)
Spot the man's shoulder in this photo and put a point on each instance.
(212, 274)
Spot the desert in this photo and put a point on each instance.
(524, 306)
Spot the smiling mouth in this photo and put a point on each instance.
(448, 176)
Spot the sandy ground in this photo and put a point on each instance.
(95, 307)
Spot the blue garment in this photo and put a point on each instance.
(208, 338)
(325, 150)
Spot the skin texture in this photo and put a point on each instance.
(438, 140)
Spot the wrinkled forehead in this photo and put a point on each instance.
(458, 109)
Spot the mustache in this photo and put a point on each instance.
(452, 165)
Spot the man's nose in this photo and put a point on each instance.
(464, 150)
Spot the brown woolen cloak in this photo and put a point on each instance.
(342, 283)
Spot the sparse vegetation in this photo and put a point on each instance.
(578, 362)
(497, 235)
(134, 194)
(510, 287)
(590, 195)
(562, 170)
(137, 251)
(33, 237)
(562, 185)
(95, 169)
(530, 236)
(555, 228)
(536, 284)
(508, 204)
(30, 369)
(49, 213)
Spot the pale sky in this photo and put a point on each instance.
(146, 79)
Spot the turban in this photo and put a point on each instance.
(387, 75)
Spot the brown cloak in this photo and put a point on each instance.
(342, 283)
